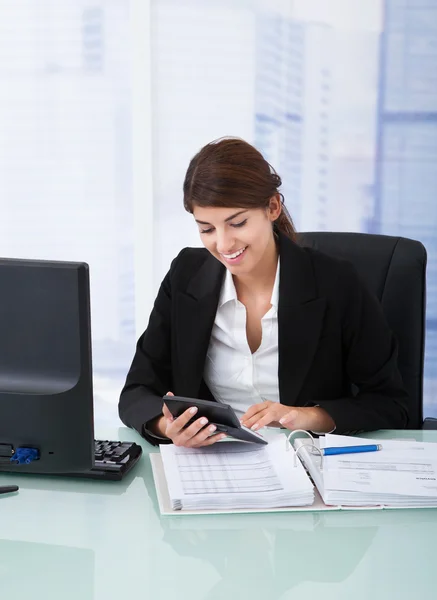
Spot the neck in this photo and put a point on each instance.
(262, 278)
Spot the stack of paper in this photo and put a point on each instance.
(232, 476)
(402, 474)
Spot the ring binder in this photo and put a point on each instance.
(262, 479)
(313, 449)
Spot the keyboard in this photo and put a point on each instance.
(112, 460)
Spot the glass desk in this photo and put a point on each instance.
(63, 539)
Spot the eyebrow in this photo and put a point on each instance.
(226, 220)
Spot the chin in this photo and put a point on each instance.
(240, 269)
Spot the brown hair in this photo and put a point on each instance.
(230, 173)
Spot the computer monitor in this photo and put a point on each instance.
(46, 398)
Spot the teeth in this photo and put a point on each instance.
(235, 254)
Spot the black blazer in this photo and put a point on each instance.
(335, 348)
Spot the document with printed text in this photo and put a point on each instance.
(407, 469)
(236, 475)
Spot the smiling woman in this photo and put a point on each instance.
(230, 173)
(227, 175)
(283, 334)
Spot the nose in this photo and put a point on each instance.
(224, 241)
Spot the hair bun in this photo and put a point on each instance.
(276, 180)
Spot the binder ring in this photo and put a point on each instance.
(312, 448)
(288, 443)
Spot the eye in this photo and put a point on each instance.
(239, 224)
(206, 230)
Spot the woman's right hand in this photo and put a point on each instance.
(196, 435)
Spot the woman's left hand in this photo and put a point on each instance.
(274, 414)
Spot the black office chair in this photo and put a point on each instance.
(394, 269)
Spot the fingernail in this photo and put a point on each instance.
(283, 420)
(212, 428)
(254, 427)
(193, 410)
(203, 421)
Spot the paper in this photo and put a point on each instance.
(166, 508)
(235, 476)
(400, 468)
(248, 478)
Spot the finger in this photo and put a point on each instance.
(196, 433)
(167, 414)
(212, 439)
(253, 410)
(249, 421)
(180, 422)
(268, 417)
(253, 420)
(290, 419)
(169, 394)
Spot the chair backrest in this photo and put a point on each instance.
(394, 269)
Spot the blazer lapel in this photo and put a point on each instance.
(300, 319)
(195, 313)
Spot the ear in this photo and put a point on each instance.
(275, 207)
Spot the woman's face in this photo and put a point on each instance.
(239, 238)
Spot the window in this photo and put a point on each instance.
(66, 157)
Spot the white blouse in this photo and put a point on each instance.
(233, 374)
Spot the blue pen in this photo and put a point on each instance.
(351, 449)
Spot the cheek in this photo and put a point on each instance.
(260, 237)
(208, 243)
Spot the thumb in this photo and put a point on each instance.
(167, 414)
(169, 394)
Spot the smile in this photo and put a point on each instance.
(235, 254)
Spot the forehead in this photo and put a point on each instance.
(214, 214)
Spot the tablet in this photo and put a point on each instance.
(219, 414)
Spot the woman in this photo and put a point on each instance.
(283, 334)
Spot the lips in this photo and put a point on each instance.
(234, 254)
(236, 257)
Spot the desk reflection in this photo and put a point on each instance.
(45, 571)
(264, 555)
